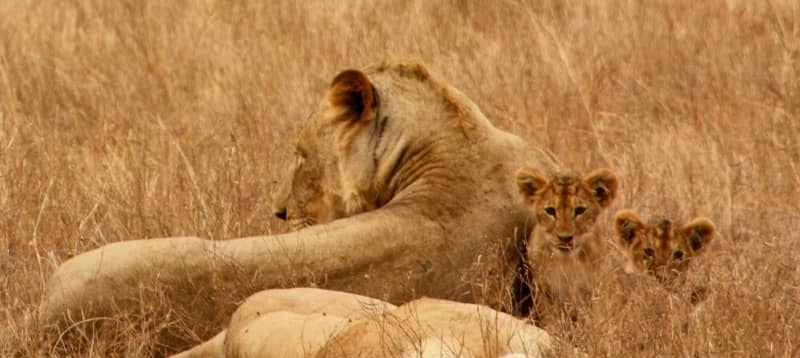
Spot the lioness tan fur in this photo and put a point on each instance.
(396, 188)
(294, 322)
(313, 322)
(564, 250)
(438, 328)
(287, 322)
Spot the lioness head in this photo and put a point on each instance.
(317, 189)
(566, 206)
(661, 247)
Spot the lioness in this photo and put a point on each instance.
(564, 249)
(287, 322)
(661, 247)
(438, 328)
(306, 322)
(395, 190)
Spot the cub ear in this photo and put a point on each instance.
(628, 226)
(699, 233)
(530, 183)
(603, 184)
(352, 97)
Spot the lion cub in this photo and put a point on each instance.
(661, 247)
(564, 250)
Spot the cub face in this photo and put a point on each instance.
(661, 247)
(566, 206)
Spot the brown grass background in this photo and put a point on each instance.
(135, 119)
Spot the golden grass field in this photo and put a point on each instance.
(137, 119)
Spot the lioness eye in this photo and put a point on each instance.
(579, 210)
(649, 252)
(677, 255)
(550, 211)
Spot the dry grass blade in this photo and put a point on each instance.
(138, 119)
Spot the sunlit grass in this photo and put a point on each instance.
(133, 119)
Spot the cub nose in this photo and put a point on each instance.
(280, 213)
(565, 239)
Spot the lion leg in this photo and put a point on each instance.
(202, 281)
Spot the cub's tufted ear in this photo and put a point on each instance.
(352, 97)
(530, 184)
(603, 184)
(629, 228)
(699, 233)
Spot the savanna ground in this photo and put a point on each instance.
(136, 119)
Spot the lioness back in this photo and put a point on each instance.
(322, 323)
(438, 328)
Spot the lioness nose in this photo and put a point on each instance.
(565, 239)
(280, 213)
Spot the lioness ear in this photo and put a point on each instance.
(352, 97)
(529, 183)
(628, 226)
(603, 184)
(699, 233)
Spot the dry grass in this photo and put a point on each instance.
(130, 119)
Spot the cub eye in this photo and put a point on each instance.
(649, 252)
(579, 210)
(550, 211)
(677, 255)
